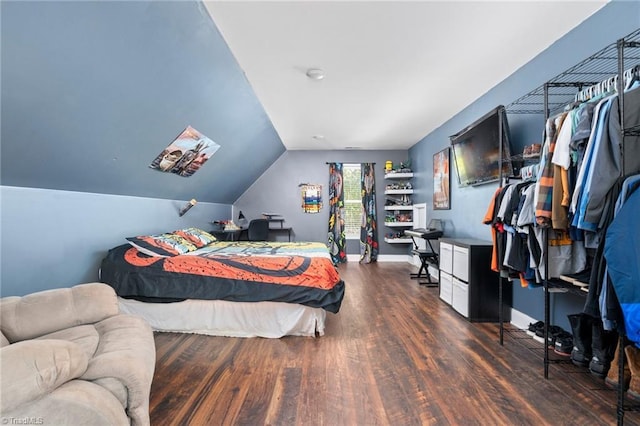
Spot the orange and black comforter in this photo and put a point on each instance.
(296, 272)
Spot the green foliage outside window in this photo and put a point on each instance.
(352, 200)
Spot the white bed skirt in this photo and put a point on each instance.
(231, 319)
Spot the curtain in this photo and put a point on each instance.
(337, 239)
(369, 228)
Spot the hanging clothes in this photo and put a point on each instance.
(561, 160)
(512, 219)
(592, 186)
(602, 164)
(545, 184)
(489, 219)
(607, 166)
(622, 254)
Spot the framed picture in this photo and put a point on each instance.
(441, 194)
(186, 154)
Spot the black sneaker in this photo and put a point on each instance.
(564, 344)
(554, 332)
(533, 327)
(539, 335)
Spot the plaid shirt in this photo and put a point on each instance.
(545, 182)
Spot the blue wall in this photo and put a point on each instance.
(277, 191)
(469, 204)
(92, 92)
(53, 238)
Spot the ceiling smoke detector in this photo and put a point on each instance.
(315, 73)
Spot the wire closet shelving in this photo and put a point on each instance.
(604, 68)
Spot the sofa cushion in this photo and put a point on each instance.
(47, 311)
(126, 351)
(84, 335)
(3, 340)
(33, 368)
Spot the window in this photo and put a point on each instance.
(352, 200)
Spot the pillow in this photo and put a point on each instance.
(163, 245)
(196, 236)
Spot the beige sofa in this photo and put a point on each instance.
(68, 357)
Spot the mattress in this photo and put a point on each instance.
(231, 319)
(291, 272)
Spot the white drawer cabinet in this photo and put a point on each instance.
(467, 282)
(460, 297)
(461, 262)
(446, 287)
(446, 257)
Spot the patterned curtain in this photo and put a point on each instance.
(337, 240)
(369, 228)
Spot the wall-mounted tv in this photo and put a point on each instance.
(476, 149)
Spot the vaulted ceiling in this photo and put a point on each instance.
(393, 70)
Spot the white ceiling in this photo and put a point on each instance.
(394, 71)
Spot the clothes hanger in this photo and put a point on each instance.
(633, 76)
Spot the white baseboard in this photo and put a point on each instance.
(394, 258)
(521, 320)
(382, 258)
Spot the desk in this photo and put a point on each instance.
(276, 220)
(228, 235)
(281, 230)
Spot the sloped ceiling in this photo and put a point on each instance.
(92, 92)
(394, 70)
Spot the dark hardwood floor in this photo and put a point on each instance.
(393, 355)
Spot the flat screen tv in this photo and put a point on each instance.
(476, 149)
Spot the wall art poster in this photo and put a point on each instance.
(186, 154)
(311, 198)
(441, 195)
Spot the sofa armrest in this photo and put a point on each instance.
(34, 368)
(76, 402)
(44, 312)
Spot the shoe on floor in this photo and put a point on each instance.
(533, 327)
(554, 331)
(564, 343)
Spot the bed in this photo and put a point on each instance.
(224, 288)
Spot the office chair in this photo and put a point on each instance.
(258, 230)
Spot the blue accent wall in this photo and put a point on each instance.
(53, 238)
(468, 205)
